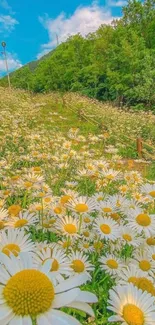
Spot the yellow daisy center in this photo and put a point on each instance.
(15, 178)
(28, 184)
(87, 220)
(65, 199)
(112, 264)
(133, 280)
(2, 225)
(100, 198)
(106, 210)
(145, 265)
(46, 225)
(81, 207)
(57, 210)
(78, 266)
(11, 248)
(41, 194)
(86, 245)
(70, 228)
(52, 221)
(150, 241)
(153, 256)
(37, 169)
(114, 216)
(110, 177)
(133, 315)
(145, 285)
(14, 210)
(127, 237)
(152, 193)
(20, 223)
(143, 220)
(38, 208)
(86, 234)
(105, 229)
(66, 244)
(29, 292)
(6, 192)
(47, 199)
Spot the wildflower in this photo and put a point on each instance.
(28, 293)
(131, 305)
(15, 241)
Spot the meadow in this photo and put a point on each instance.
(77, 212)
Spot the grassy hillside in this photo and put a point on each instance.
(116, 63)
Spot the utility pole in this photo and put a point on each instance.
(6, 63)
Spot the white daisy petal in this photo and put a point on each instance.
(63, 299)
(57, 317)
(82, 306)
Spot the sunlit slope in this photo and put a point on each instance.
(58, 113)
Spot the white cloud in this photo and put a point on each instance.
(13, 63)
(119, 3)
(84, 20)
(4, 4)
(7, 23)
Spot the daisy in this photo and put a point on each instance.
(129, 206)
(141, 222)
(85, 246)
(34, 178)
(82, 204)
(130, 237)
(99, 196)
(59, 262)
(117, 201)
(107, 228)
(68, 226)
(145, 284)
(149, 242)
(14, 210)
(111, 174)
(57, 209)
(129, 274)
(132, 306)
(87, 234)
(111, 264)
(28, 293)
(80, 264)
(150, 251)
(64, 199)
(15, 241)
(87, 219)
(106, 207)
(149, 190)
(24, 220)
(143, 262)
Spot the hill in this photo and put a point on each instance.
(115, 63)
(119, 128)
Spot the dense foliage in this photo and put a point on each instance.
(117, 62)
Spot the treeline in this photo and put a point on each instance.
(115, 63)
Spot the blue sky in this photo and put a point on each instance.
(29, 27)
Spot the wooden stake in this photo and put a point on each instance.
(139, 146)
